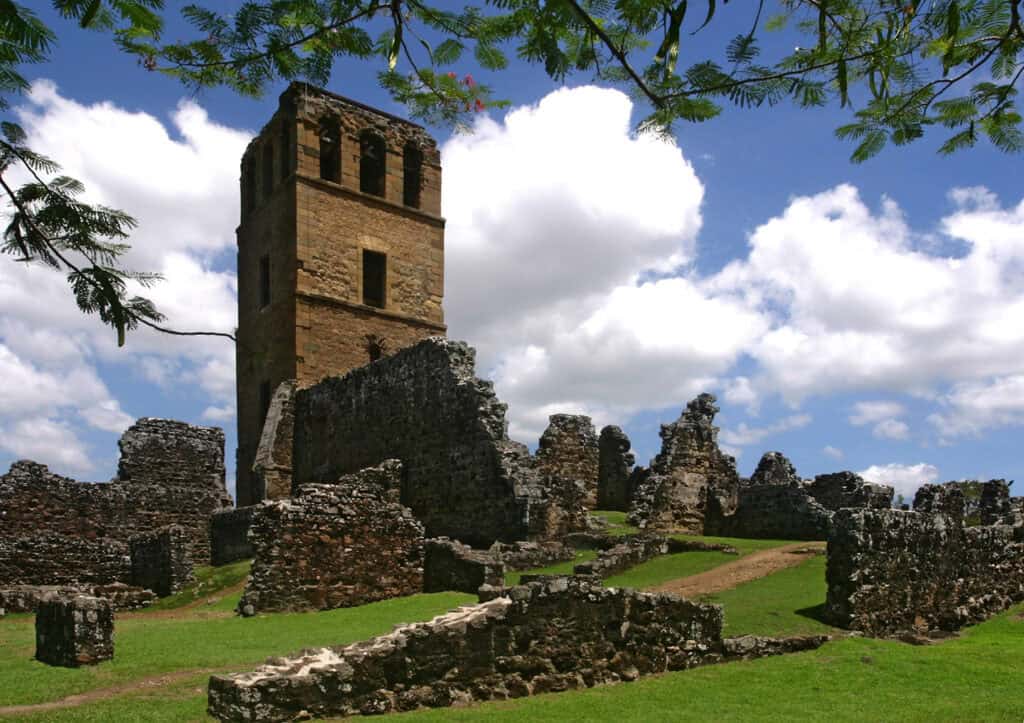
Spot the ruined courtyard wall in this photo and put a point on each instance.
(545, 637)
(49, 558)
(891, 571)
(35, 503)
(463, 478)
(334, 545)
(229, 535)
(774, 512)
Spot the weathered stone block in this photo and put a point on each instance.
(273, 465)
(161, 561)
(74, 631)
(335, 545)
(568, 449)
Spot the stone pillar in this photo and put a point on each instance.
(568, 449)
(74, 631)
(615, 464)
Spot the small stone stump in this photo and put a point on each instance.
(161, 560)
(74, 631)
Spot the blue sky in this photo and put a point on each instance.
(853, 317)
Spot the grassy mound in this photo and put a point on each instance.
(210, 586)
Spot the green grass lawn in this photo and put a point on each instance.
(559, 568)
(148, 644)
(617, 524)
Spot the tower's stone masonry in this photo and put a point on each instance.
(340, 250)
(568, 448)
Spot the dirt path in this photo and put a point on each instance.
(92, 696)
(747, 568)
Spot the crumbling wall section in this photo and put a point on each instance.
(161, 561)
(335, 545)
(689, 477)
(50, 558)
(544, 637)
(891, 571)
(450, 565)
(463, 478)
(615, 465)
(848, 489)
(568, 448)
(173, 475)
(971, 501)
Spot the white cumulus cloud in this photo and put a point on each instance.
(903, 478)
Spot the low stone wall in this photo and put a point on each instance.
(544, 637)
(161, 561)
(891, 571)
(527, 555)
(450, 565)
(632, 550)
(26, 598)
(971, 501)
(74, 631)
(229, 535)
(54, 559)
(775, 512)
(839, 490)
(335, 545)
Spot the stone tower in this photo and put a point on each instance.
(340, 250)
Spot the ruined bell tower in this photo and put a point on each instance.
(340, 250)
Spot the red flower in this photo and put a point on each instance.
(479, 105)
(451, 74)
(468, 80)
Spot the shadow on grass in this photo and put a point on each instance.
(816, 612)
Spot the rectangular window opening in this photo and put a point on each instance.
(374, 278)
(412, 162)
(264, 281)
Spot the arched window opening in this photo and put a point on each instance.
(371, 163)
(330, 150)
(286, 147)
(412, 174)
(268, 169)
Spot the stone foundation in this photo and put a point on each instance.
(76, 631)
(450, 565)
(632, 550)
(890, 571)
(527, 555)
(563, 635)
(335, 545)
(27, 598)
(229, 535)
(161, 561)
(615, 465)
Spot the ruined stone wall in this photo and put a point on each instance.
(334, 545)
(774, 504)
(172, 454)
(450, 565)
(971, 501)
(161, 560)
(229, 535)
(463, 478)
(689, 477)
(27, 598)
(35, 503)
(891, 571)
(50, 558)
(615, 464)
(847, 489)
(561, 635)
(568, 448)
(526, 555)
